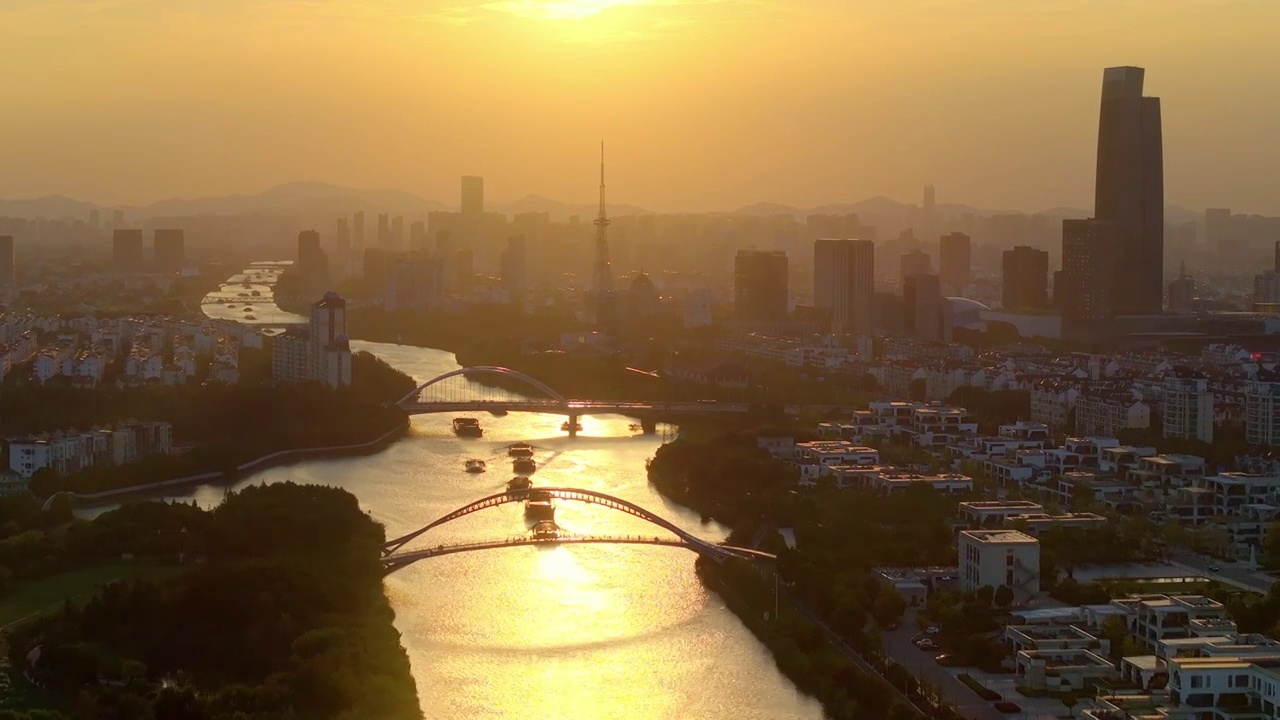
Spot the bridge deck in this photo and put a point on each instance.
(401, 559)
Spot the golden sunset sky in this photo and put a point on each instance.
(704, 104)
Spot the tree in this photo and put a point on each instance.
(1003, 596)
(1271, 546)
(888, 607)
(985, 595)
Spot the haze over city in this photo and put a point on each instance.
(706, 104)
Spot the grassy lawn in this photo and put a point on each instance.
(29, 598)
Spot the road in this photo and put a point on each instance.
(897, 644)
(834, 639)
(1227, 573)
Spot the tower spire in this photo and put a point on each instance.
(602, 218)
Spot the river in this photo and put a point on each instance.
(600, 631)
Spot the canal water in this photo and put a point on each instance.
(601, 631)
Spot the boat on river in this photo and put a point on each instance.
(475, 466)
(540, 506)
(467, 427)
(566, 426)
(519, 483)
(524, 465)
(520, 449)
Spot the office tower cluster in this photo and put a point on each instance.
(168, 250)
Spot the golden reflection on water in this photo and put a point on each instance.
(621, 632)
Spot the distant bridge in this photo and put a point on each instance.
(396, 557)
(452, 393)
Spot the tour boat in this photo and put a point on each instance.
(519, 483)
(498, 413)
(250, 317)
(520, 449)
(467, 427)
(524, 465)
(539, 506)
(546, 530)
(565, 426)
(475, 466)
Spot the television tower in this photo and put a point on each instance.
(603, 280)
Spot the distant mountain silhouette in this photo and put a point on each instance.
(305, 199)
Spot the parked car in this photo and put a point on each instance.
(933, 629)
(926, 644)
(1214, 567)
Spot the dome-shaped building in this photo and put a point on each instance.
(642, 297)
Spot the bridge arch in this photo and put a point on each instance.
(486, 370)
(559, 493)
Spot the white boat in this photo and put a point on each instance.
(475, 466)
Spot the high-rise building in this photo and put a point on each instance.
(95, 219)
(915, 262)
(844, 284)
(954, 261)
(397, 232)
(1130, 188)
(924, 310)
(170, 249)
(1025, 279)
(1262, 408)
(384, 231)
(760, 285)
(929, 210)
(8, 266)
(413, 281)
(312, 264)
(1187, 408)
(418, 236)
(472, 195)
(320, 352)
(357, 230)
(343, 238)
(514, 268)
(126, 249)
(1085, 288)
(1217, 229)
(1276, 261)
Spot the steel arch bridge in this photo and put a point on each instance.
(453, 392)
(396, 557)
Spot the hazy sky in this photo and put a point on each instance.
(704, 104)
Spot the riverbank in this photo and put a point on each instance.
(282, 457)
(283, 615)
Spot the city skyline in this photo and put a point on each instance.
(701, 123)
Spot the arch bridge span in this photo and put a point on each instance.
(451, 393)
(395, 556)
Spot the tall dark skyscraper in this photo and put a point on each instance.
(760, 286)
(472, 195)
(844, 283)
(1086, 287)
(126, 249)
(8, 267)
(1130, 188)
(1025, 279)
(170, 249)
(954, 261)
(924, 311)
(312, 263)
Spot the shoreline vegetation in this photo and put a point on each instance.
(728, 478)
(220, 431)
(275, 459)
(269, 606)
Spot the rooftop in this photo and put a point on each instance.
(1000, 537)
